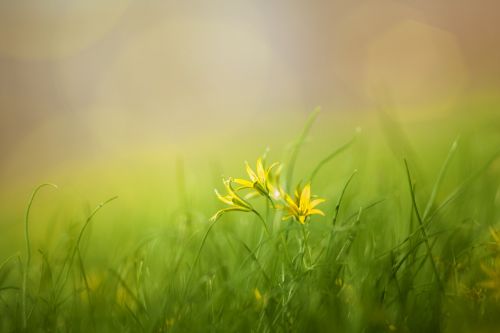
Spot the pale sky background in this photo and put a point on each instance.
(78, 77)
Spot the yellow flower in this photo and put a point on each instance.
(263, 181)
(125, 298)
(233, 200)
(92, 283)
(261, 300)
(301, 206)
(169, 322)
(493, 282)
(493, 271)
(495, 234)
(257, 294)
(475, 293)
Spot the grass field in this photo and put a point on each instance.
(409, 240)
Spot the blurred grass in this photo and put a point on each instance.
(372, 270)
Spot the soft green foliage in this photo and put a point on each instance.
(407, 244)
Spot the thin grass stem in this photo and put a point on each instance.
(28, 250)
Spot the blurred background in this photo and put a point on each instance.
(89, 89)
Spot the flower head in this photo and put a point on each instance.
(232, 199)
(262, 181)
(301, 206)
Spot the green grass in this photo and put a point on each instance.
(405, 244)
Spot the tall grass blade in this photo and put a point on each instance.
(327, 159)
(298, 144)
(28, 250)
(439, 179)
(423, 229)
(76, 248)
(339, 201)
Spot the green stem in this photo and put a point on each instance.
(268, 232)
(305, 245)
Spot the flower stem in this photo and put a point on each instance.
(263, 222)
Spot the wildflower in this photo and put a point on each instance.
(493, 282)
(261, 300)
(473, 293)
(169, 322)
(125, 298)
(301, 206)
(257, 294)
(94, 280)
(233, 200)
(263, 181)
(493, 271)
(495, 234)
(92, 283)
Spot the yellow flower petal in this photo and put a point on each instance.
(221, 212)
(235, 198)
(291, 204)
(257, 294)
(496, 237)
(260, 170)
(316, 202)
(316, 211)
(224, 199)
(305, 197)
(251, 173)
(252, 194)
(243, 182)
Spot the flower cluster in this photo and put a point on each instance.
(265, 182)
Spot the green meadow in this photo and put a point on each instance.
(406, 240)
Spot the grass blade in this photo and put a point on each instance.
(439, 180)
(330, 157)
(296, 146)
(422, 228)
(28, 249)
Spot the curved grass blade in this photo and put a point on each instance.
(197, 257)
(439, 179)
(330, 157)
(339, 202)
(254, 258)
(4, 263)
(76, 248)
(423, 229)
(296, 146)
(28, 249)
(463, 185)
